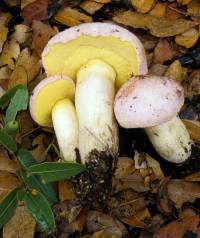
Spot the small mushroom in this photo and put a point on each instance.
(51, 104)
(100, 57)
(153, 102)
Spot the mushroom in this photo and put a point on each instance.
(51, 104)
(152, 102)
(100, 57)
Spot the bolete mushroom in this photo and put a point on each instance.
(51, 104)
(153, 102)
(100, 56)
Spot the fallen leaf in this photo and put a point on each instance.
(193, 8)
(102, 1)
(66, 191)
(125, 166)
(159, 10)
(140, 219)
(91, 6)
(175, 71)
(10, 53)
(5, 73)
(21, 224)
(4, 19)
(22, 33)
(27, 67)
(187, 227)
(193, 128)
(180, 191)
(8, 182)
(41, 34)
(6, 164)
(188, 38)
(184, 2)
(71, 16)
(109, 232)
(158, 27)
(192, 85)
(143, 6)
(171, 13)
(26, 2)
(96, 221)
(155, 167)
(195, 177)
(79, 223)
(38, 148)
(162, 52)
(36, 10)
(158, 69)
(126, 204)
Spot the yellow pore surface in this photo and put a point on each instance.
(47, 96)
(67, 58)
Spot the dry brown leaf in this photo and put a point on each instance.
(193, 85)
(193, 8)
(193, 128)
(4, 19)
(96, 221)
(109, 232)
(39, 148)
(184, 2)
(90, 6)
(22, 33)
(126, 204)
(79, 223)
(71, 17)
(158, 27)
(102, 1)
(36, 10)
(21, 225)
(195, 177)
(25, 121)
(188, 38)
(6, 164)
(187, 227)
(158, 69)
(175, 71)
(138, 220)
(143, 6)
(26, 2)
(27, 67)
(8, 182)
(159, 10)
(41, 34)
(171, 12)
(13, 2)
(155, 167)
(5, 73)
(125, 166)
(162, 52)
(180, 191)
(66, 191)
(10, 53)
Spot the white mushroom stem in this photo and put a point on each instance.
(171, 140)
(65, 124)
(94, 98)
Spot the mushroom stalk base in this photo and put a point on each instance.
(65, 124)
(94, 98)
(171, 140)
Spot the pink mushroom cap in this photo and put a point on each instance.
(146, 101)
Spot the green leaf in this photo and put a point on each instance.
(8, 142)
(33, 182)
(25, 158)
(55, 171)
(8, 207)
(17, 103)
(40, 209)
(5, 99)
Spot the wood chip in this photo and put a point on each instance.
(158, 27)
(71, 16)
(21, 225)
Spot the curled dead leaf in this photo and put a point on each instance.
(91, 6)
(186, 227)
(21, 224)
(71, 16)
(188, 38)
(143, 6)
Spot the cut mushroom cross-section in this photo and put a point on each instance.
(153, 103)
(51, 104)
(100, 57)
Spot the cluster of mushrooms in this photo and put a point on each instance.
(97, 76)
